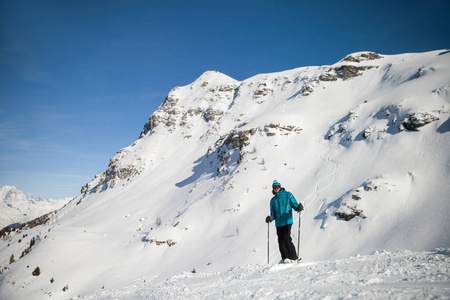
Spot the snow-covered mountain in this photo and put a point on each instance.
(19, 207)
(363, 144)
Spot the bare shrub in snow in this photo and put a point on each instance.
(158, 221)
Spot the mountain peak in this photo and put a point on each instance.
(362, 56)
(207, 96)
(212, 78)
(18, 207)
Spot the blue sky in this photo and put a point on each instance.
(79, 78)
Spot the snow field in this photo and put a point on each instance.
(380, 275)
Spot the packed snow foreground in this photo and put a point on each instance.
(398, 275)
(363, 144)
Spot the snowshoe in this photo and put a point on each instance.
(289, 261)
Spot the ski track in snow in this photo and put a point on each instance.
(381, 275)
(329, 151)
(327, 156)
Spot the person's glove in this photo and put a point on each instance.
(268, 219)
(299, 207)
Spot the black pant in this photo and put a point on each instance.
(287, 248)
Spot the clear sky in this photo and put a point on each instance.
(79, 78)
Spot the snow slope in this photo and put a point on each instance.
(363, 144)
(19, 207)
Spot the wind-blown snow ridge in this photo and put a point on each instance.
(363, 143)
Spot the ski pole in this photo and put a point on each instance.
(268, 230)
(298, 239)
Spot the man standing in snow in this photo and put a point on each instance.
(281, 206)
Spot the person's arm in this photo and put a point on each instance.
(294, 204)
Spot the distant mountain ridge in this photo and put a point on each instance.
(19, 207)
(362, 143)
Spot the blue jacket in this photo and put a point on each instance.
(281, 206)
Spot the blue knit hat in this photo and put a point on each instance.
(276, 183)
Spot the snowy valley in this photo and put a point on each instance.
(363, 144)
